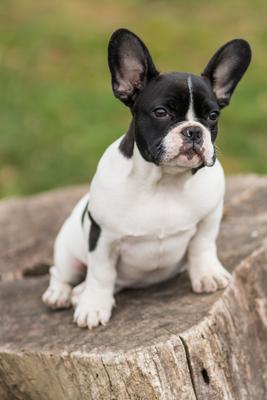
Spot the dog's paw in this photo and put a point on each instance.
(93, 310)
(210, 279)
(58, 295)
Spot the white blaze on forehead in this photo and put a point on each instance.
(190, 116)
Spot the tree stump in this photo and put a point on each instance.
(163, 342)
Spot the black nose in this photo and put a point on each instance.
(193, 133)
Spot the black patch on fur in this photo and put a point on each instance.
(94, 233)
(84, 212)
(127, 143)
(169, 91)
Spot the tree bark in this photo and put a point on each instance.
(163, 342)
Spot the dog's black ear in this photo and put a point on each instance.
(130, 64)
(226, 68)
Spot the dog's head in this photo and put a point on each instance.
(175, 115)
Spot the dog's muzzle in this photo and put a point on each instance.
(188, 144)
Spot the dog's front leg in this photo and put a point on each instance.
(205, 270)
(97, 299)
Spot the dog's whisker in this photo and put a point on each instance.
(217, 149)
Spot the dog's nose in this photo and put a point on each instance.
(193, 133)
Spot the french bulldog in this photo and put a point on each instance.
(155, 202)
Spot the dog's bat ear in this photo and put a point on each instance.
(130, 64)
(226, 68)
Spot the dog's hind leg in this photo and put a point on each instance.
(66, 272)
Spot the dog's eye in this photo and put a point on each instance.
(160, 112)
(213, 116)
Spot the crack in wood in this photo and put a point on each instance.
(191, 373)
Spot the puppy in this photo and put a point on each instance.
(156, 200)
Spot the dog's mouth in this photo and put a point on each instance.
(192, 150)
(188, 155)
(192, 156)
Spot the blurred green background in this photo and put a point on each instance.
(58, 113)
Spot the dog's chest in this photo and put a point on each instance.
(151, 220)
(157, 230)
(151, 252)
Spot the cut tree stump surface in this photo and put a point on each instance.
(163, 342)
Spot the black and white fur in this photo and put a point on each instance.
(156, 200)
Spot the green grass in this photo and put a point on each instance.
(57, 110)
